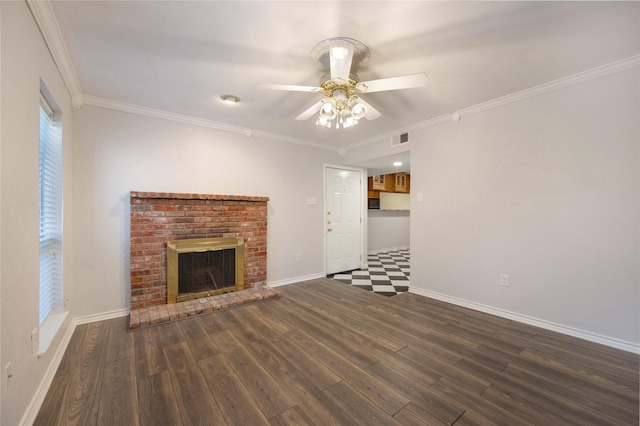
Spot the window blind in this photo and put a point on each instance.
(50, 214)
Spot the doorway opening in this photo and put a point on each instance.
(344, 211)
(386, 255)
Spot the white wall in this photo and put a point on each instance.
(25, 60)
(546, 190)
(117, 152)
(387, 230)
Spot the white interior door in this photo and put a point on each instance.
(343, 219)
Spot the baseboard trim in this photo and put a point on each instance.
(548, 325)
(36, 402)
(385, 250)
(295, 280)
(102, 316)
(32, 410)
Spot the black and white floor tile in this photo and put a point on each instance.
(386, 274)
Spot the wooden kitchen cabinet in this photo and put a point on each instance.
(381, 183)
(401, 182)
(386, 185)
(394, 182)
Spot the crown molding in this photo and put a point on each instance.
(187, 119)
(386, 136)
(42, 12)
(44, 16)
(581, 77)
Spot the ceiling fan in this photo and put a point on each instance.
(341, 86)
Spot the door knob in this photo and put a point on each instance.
(329, 229)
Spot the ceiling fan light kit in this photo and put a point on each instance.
(339, 58)
(347, 110)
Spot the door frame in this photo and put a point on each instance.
(363, 210)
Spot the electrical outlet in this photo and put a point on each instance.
(504, 280)
(35, 341)
(298, 257)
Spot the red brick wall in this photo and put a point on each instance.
(158, 217)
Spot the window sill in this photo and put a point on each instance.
(49, 329)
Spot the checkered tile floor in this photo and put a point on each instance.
(387, 273)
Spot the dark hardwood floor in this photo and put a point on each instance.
(325, 353)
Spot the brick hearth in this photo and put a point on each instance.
(158, 314)
(158, 217)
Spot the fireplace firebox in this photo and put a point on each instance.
(204, 267)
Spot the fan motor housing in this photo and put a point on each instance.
(328, 85)
(321, 57)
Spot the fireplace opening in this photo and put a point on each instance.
(204, 267)
(205, 271)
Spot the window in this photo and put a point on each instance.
(51, 292)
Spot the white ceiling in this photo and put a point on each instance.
(181, 56)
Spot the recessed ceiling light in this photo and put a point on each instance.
(229, 99)
(397, 163)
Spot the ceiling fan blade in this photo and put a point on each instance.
(341, 55)
(393, 83)
(290, 87)
(372, 113)
(312, 110)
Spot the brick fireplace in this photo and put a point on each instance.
(158, 217)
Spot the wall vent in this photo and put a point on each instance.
(400, 139)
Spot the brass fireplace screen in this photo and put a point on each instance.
(204, 267)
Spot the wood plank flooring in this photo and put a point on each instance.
(326, 353)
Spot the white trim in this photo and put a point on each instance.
(363, 212)
(547, 325)
(295, 280)
(41, 392)
(604, 70)
(44, 16)
(48, 330)
(45, 19)
(42, 12)
(387, 136)
(551, 86)
(581, 77)
(384, 250)
(101, 317)
(187, 119)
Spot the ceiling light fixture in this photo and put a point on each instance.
(346, 110)
(397, 163)
(229, 99)
(341, 58)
